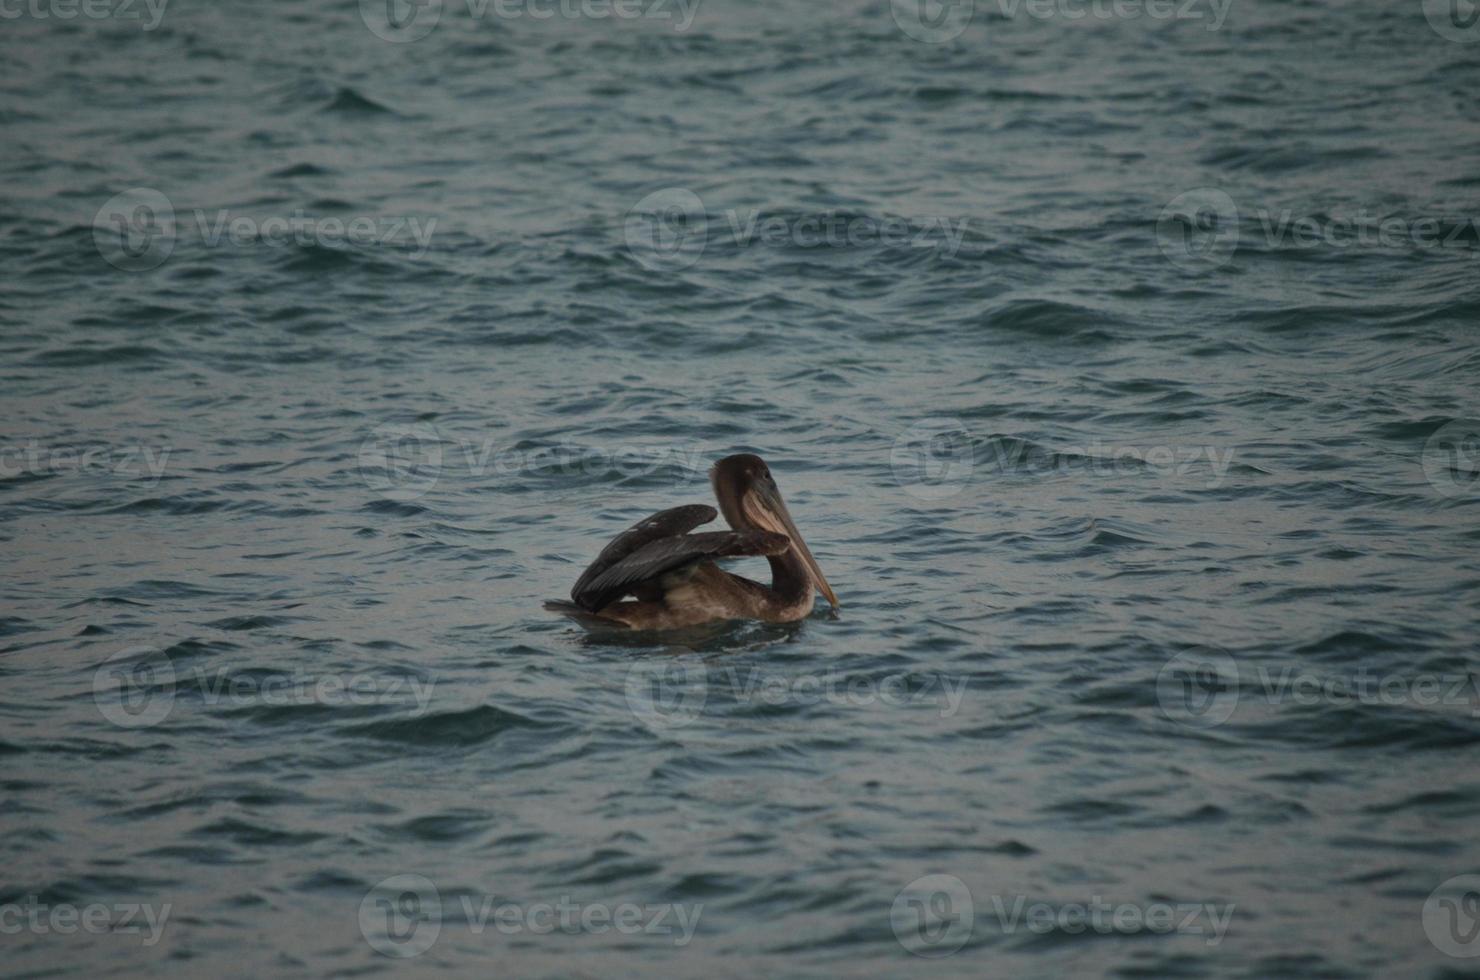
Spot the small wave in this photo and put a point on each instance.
(1049, 320)
(1087, 810)
(183, 505)
(235, 624)
(393, 508)
(1352, 645)
(1450, 804)
(332, 881)
(246, 833)
(442, 827)
(1357, 725)
(451, 728)
(1287, 158)
(300, 170)
(313, 258)
(80, 356)
(350, 102)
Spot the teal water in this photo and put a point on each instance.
(1120, 371)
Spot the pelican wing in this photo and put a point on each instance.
(658, 558)
(664, 524)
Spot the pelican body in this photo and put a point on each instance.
(657, 575)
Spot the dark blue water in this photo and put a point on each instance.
(1120, 370)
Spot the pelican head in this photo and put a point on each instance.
(748, 498)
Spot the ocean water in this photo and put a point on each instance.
(1120, 370)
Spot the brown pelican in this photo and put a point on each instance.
(672, 574)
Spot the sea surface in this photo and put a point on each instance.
(1119, 366)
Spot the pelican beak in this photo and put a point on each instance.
(774, 507)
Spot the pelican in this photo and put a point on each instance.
(672, 576)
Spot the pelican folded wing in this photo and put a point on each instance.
(664, 524)
(656, 559)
